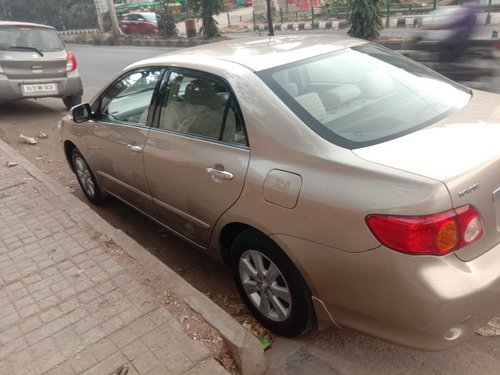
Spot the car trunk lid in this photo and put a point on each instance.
(462, 152)
(29, 64)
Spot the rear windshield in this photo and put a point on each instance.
(16, 37)
(364, 95)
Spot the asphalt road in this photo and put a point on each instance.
(99, 64)
(332, 352)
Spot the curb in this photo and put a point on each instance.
(78, 32)
(244, 346)
(403, 22)
(172, 43)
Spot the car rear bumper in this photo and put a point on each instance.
(11, 89)
(424, 302)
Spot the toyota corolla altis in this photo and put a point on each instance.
(341, 182)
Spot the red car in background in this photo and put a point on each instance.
(139, 23)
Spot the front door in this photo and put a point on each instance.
(118, 137)
(196, 160)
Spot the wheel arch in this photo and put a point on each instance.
(232, 230)
(68, 151)
(227, 236)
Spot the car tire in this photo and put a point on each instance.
(71, 101)
(86, 179)
(280, 299)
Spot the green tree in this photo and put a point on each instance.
(334, 7)
(166, 23)
(50, 12)
(364, 19)
(207, 9)
(81, 15)
(62, 14)
(269, 16)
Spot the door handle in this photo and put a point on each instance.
(218, 175)
(134, 148)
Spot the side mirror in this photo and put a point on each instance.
(81, 113)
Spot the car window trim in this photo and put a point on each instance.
(163, 93)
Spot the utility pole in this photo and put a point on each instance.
(115, 28)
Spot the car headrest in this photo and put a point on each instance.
(201, 92)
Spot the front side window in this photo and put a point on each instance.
(364, 95)
(128, 100)
(201, 107)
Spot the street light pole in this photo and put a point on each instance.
(488, 16)
(388, 16)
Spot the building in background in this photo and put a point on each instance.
(286, 5)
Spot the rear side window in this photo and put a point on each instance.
(201, 107)
(364, 95)
(17, 37)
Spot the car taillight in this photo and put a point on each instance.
(436, 234)
(70, 62)
(1, 70)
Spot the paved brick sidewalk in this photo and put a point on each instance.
(67, 306)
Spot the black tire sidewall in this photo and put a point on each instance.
(71, 101)
(302, 311)
(98, 197)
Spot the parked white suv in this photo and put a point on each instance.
(34, 63)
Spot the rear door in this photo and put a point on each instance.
(134, 24)
(141, 25)
(196, 160)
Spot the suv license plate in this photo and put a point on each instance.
(39, 88)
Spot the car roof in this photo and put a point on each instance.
(258, 53)
(126, 14)
(28, 24)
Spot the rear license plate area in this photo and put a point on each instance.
(39, 88)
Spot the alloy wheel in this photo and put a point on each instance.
(265, 285)
(84, 176)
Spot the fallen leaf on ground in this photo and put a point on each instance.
(490, 329)
(28, 140)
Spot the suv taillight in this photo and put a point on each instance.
(70, 62)
(436, 234)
